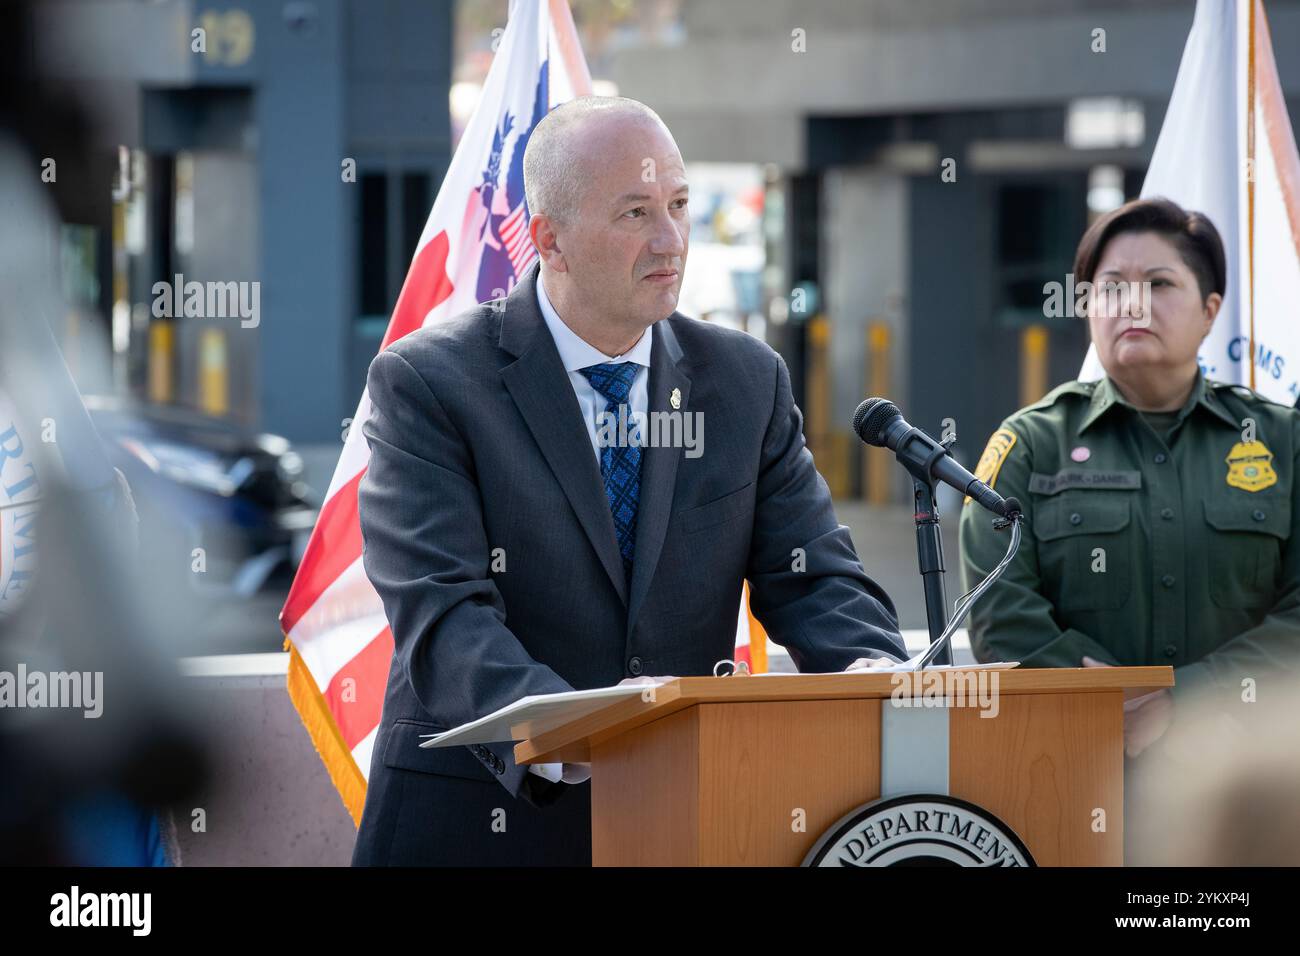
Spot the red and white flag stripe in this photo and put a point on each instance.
(518, 244)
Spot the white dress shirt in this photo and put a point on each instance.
(577, 354)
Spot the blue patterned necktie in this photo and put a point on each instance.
(620, 464)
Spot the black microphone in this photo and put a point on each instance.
(879, 422)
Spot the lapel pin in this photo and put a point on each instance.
(675, 399)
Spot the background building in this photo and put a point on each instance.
(294, 145)
(923, 289)
(880, 190)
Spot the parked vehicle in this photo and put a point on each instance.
(224, 507)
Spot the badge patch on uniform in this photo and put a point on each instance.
(1250, 466)
(995, 453)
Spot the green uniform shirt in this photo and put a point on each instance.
(1175, 547)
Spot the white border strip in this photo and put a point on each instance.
(913, 750)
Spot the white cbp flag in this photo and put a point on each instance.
(1226, 149)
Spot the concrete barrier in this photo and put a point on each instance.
(269, 801)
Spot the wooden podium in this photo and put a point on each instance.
(754, 770)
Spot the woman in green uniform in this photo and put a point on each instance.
(1161, 506)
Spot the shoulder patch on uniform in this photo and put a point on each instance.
(995, 453)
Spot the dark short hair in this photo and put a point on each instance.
(1191, 233)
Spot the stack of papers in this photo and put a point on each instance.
(541, 711)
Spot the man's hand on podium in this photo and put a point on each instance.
(578, 772)
(1146, 718)
(869, 663)
(645, 680)
(562, 772)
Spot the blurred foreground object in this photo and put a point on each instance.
(1221, 789)
(92, 731)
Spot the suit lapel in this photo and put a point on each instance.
(658, 465)
(541, 390)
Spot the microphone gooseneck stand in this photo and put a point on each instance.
(940, 645)
(878, 422)
(929, 551)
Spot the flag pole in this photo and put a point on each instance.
(1250, 180)
(570, 50)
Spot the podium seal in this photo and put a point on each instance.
(921, 829)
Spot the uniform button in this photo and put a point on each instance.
(1258, 515)
(500, 766)
(1076, 518)
(634, 666)
(1160, 458)
(1171, 650)
(1167, 580)
(1167, 513)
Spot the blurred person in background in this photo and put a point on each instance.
(76, 782)
(1162, 506)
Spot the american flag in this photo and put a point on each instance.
(518, 244)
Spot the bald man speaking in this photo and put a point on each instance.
(567, 489)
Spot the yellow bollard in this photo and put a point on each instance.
(162, 340)
(831, 447)
(1033, 364)
(877, 463)
(214, 380)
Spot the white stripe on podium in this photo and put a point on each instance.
(913, 749)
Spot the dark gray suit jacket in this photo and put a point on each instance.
(477, 444)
